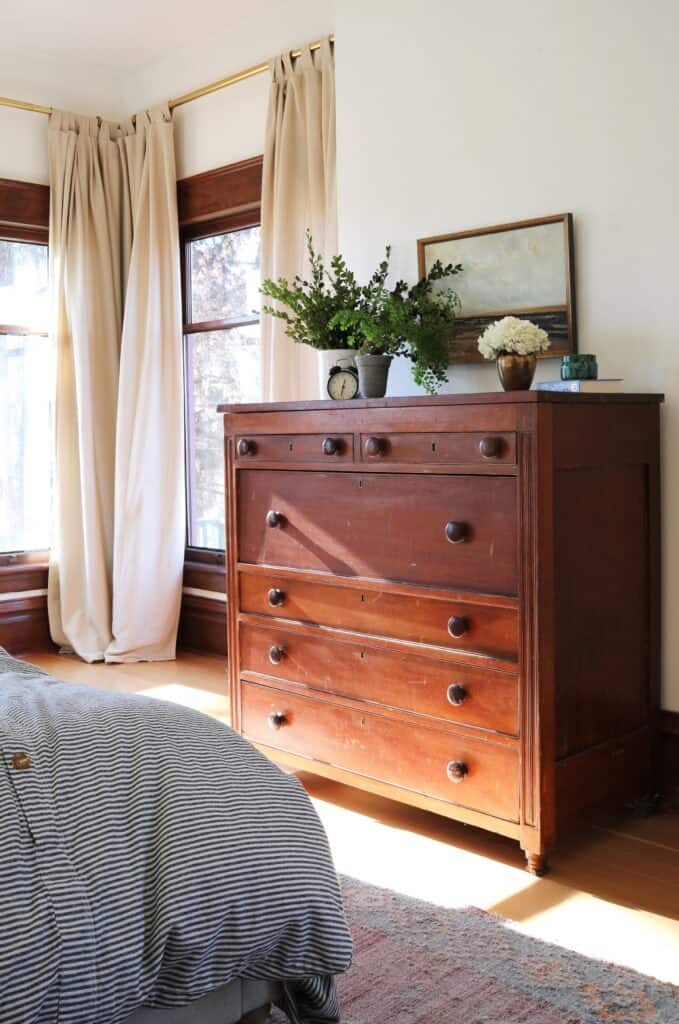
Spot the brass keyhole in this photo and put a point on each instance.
(362, 655)
(433, 446)
(362, 598)
(291, 446)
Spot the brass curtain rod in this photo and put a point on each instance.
(188, 97)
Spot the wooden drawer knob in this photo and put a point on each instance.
(246, 447)
(274, 519)
(275, 654)
(490, 447)
(276, 597)
(277, 719)
(456, 771)
(458, 625)
(456, 532)
(374, 446)
(332, 446)
(456, 694)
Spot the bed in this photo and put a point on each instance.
(154, 867)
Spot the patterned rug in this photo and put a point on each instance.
(415, 963)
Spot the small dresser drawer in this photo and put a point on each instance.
(448, 764)
(440, 689)
(457, 532)
(464, 625)
(330, 448)
(462, 449)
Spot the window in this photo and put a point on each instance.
(222, 358)
(27, 379)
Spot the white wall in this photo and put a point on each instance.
(87, 89)
(229, 125)
(457, 115)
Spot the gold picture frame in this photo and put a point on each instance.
(524, 269)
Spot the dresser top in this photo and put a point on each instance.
(469, 398)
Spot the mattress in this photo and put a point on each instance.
(150, 856)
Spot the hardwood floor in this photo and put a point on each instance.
(612, 892)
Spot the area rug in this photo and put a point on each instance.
(415, 963)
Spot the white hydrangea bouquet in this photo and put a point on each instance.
(514, 336)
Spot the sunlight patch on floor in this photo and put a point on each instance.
(585, 924)
(415, 865)
(207, 701)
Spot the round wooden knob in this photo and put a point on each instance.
(456, 694)
(332, 446)
(456, 532)
(458, 625)
(374, 446)
(274, 519)
(456, 771)
(490, 447)
(276, 597)
(275, 655)
(246, 447)
(276, 719)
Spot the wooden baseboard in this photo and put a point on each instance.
(668, 750)
(24, 625)
(202, 624)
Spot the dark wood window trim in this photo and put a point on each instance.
(224, 199)
(24, 217)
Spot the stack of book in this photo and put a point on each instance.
(578, 387)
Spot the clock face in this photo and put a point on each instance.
(342, 384)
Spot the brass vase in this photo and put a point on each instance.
(516, 372)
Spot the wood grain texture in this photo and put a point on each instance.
(357, 559)
(202, 624)
(415, 684)
(386, 526)
(385, 749)
(492, 630)
(24, 625)
(220, 191)
(24, 206)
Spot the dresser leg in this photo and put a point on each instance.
(536, 863)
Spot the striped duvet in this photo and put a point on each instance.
(148, 854)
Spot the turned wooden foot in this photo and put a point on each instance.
(537, 863)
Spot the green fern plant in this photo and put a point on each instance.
(416, 321)
(311, 305)
(331, 309)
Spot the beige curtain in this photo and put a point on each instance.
(118, 542)
(298, 192)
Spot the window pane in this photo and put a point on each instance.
(23, 285)
(26, 403)
(225, 276)
(222, 366)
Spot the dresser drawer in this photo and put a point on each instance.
(411, 756)
(441, 689)
(331, 448)
(482, 628)
(466, 449)
(456, 532)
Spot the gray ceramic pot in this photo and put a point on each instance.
(372, 375)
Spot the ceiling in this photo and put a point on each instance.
(127, 35)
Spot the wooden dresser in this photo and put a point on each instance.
(453, 602)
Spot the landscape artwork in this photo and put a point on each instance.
(523, 269)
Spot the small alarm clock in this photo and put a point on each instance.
(343, 383)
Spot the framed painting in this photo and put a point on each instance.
(524, 269)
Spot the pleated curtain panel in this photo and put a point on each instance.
(118, 545)
(299, 192)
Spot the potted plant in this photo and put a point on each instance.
(310, 307)
(415, 321)
(514, 344)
